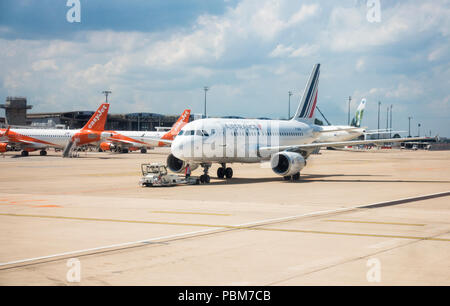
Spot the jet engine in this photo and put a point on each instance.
(177, 165)
(4, 147)
(287, 163)
(106, 146)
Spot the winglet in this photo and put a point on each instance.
(98, 119)
(176, 128)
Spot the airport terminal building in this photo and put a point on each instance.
(16, 115)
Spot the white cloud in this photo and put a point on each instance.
(281, 50)
(305, 50)
(44, 65)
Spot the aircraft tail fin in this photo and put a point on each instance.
(176, 128)
(98, 119)
(6, 132)
(307, 106)
(356, 121)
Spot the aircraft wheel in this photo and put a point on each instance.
(143, 150)
(228, 173)
(207, 179)
(221, 173)
(24, 153)
(287, 178)
(296, 176)
(43, 153)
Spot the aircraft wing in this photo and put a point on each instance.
(338, 130)
(383, 132)
(311, 146)
(168, 141)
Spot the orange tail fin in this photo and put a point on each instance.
(176, 128)
(98, 119)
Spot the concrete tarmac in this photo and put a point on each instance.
(341, 224)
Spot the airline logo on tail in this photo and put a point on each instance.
(176, 128)
(356, 121)
(309, 99)
(98, 120)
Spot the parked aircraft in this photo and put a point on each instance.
(29, 140)
(345, 132)
(285, 143)
(124, 141)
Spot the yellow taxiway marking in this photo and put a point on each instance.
(375, 222)
(243, 227)
(188, 213)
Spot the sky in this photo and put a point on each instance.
(156, 56)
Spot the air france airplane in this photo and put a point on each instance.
(285, 143)
(29, 140)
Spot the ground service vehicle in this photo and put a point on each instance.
(155, 174)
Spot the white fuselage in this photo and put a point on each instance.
(237, 140)
(42, 138)
(138, 139)
(335, 135)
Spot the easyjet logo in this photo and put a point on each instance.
(97, 116)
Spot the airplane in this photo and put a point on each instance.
(29, 140)
(286, 144)
(124, 141)
(345, 132)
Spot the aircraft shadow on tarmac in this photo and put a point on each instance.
(311, 178)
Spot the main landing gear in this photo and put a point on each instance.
(224, 172)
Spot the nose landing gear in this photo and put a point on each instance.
(205, 178)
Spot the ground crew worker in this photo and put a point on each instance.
(188, 171)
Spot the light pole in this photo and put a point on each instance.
(390, 131)
(409, 126)
(387, 119)
(379, 104)
(206, 88)
(289, 105)
(106, 93)
(418, 130)
(349, 100)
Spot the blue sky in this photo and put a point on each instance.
(156, 56)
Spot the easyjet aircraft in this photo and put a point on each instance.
(29, 140)
(124, 141)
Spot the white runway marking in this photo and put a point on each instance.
(250, 224)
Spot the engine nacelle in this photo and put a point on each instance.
(177, 165)
(287, 163)
(106, 146)
(4, 147)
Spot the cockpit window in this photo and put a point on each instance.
(181, 133)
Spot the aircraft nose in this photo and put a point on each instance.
(177, 148)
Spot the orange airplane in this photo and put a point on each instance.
(29, 140)
(125, 141)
